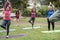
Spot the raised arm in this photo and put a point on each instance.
(10, 7)
(5, 6)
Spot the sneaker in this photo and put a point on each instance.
(7, 36)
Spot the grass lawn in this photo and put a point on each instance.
(33, 34)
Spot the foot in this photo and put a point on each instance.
(7, 36)
(53, 29)
(30, 22)
(48, 30)
(32, 27)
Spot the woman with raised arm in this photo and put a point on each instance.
(6, 17)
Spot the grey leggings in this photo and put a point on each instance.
(33, 20)
(6, 25)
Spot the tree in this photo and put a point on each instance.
(55, 2)
(21, 4)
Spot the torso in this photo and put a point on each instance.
(33, 15)
(7, 15)
(17, 14)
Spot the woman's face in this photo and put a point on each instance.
(7, 8)
(33, 9)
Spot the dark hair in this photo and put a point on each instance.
(33, 10)
(7, 5)
(50, 5)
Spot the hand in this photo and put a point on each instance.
(8, 1)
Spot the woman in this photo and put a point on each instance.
(33, 15)
(18, 15)
(50, 12)
(6, 18)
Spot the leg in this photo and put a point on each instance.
(17, 22)
(48, 24)
(3, 25)
(30, 21)
(8, 25)
(33, 20)
(53, 25)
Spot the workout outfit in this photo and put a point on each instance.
(7, 18)
(32, 20)
(17, 14)
(50, 12)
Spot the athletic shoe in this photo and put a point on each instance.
(7, 36)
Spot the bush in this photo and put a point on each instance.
(14, 10)
(42, 12)
(26, 13)
(57, 4)
(39, 14)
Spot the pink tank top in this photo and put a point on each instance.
(7, 15)
(33, 15)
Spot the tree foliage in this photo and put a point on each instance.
(21, 4)
(55, 2)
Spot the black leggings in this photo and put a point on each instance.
(49, 24)
(32, 20)
(5, 25)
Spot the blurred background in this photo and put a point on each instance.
(26, 5)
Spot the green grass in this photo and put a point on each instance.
(33, 34)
